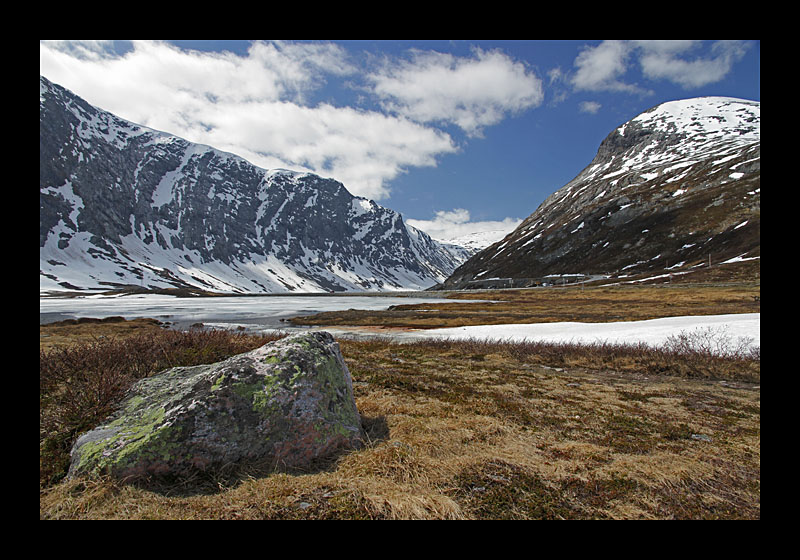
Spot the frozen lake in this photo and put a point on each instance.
(253, 313)
(264, 313)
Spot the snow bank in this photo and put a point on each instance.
(744, 329)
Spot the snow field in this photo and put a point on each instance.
(728, 332)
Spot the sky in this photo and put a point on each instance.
(458, 136)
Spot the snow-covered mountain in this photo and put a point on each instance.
(124, 205)
(668, 190)
(476, 241)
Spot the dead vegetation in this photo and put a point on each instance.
(600, 304)
(473, 430)
(86, 330)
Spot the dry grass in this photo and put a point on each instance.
(546, 305)
(499, 431)
(71, 331)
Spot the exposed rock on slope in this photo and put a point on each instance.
(669, 188)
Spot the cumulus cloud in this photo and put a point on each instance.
(600, 68)
(257, 105)
(253, 105)
(448, 225)
(662, 60)
(603, 67)
(469, 92)
(92, 50)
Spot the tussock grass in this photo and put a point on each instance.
(456, 430)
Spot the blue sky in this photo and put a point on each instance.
(458, 136)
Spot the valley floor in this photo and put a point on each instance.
(484, 430)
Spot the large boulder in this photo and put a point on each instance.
(285, 404)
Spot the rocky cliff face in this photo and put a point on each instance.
(121, 204)
(669, 188)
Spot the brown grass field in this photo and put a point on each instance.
(465, 430)
(72, 331)
(547, 305)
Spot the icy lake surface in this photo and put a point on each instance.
(253, 313)
(264, 313)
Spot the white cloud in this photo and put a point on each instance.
(661, 60)
(471, 93)
(599, 68)
(555, 75)
(456, 223)
(590, 107)
(252, 105)
(361, 149)
(603, 67)
(92, 50)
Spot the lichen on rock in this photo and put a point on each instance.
(285, 404)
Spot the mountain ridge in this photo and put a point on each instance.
(124, 205)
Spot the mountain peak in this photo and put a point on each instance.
(705, 115)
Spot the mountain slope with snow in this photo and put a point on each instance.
(667, 190)
(477, 241)
(124, 205)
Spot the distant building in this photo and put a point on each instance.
(549, 280)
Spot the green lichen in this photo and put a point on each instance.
(270, 360)
(335, 388)
(218, 383)
(128, 440)
(153, 438)
(260, 393)
(139, 431)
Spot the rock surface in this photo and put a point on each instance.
(282, 405)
